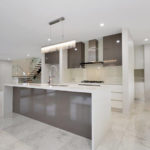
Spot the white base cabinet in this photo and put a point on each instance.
(116, 96)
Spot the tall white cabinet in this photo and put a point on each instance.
(139, 57)
(147, 71)
(139, 72)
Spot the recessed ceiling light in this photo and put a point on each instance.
(102, 24)
(146, 39)
(49, 39)
(75, 49)
(28, 55)
(118, 41)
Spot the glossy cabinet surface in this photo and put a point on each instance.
(76, 56)
(52, 58)
(70, 111)
(112, 49)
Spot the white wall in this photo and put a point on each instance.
(5, 73)
(25, 65)
(139, 57)
(1, 103)
(128, 70)
(147, 71)
(139, 67)
(5, 77)
(110, 74)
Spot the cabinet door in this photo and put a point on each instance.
(112, 49)
(76, 55)
(52, 58)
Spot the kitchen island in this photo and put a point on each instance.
(82, 110)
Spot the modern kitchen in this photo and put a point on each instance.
(73, 92)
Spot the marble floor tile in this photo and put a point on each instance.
(25, 129)
(77, 143)
(139, 126)
(128, 132)
(111, 140)
(130, 142)
(6, 140)
(21, 133)
(119, 121)
(47, 138)
(12, 119)
(19, 146)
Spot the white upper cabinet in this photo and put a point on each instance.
(139, 57)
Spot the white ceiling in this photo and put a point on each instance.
(24, 23)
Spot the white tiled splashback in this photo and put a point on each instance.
(110, 75)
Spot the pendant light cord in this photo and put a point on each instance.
(63, 36)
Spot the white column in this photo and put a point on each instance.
(7, 102)
(45, 71)
(63, 67)
(1, 103)
(128, 70)
(60, 66)
(147, 71)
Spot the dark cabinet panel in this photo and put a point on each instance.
(70, 111)
(112, 49)
(52, 58)
(76, 55)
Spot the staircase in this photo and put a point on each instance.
(32, 77)
(35, 75)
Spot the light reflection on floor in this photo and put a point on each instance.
(127, 133)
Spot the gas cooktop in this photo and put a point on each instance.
(88, 81)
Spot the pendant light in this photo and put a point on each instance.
(63, 45)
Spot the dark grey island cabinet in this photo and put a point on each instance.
(52, 58)
(76, 56)
(82, 111)
(112, 50)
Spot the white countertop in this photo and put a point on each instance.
(100, 102)
(60, 87)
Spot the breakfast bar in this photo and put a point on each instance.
(82, 110)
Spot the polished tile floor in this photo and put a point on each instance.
(127, 133)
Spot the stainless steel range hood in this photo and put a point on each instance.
(93, 50)
(92, 53)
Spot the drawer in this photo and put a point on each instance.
(116, 104)
(116, 96)
(114, 88)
